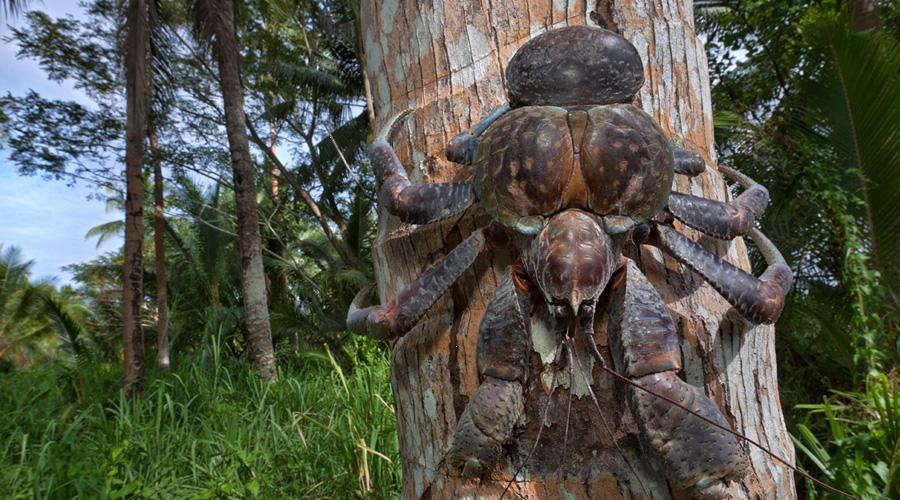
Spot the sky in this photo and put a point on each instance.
(46, 219)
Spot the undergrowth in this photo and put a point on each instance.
(208, 430)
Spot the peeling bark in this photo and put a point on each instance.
(446, 61)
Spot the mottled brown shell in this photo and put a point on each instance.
(577, 65)
(539, 160)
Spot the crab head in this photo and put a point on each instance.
(571, 261)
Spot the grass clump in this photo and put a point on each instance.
(208, 430)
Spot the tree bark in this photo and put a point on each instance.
(865, 15)
(137, 81)
(257, 330)
(446, 62)
(159, 242)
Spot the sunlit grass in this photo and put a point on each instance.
(203, 432)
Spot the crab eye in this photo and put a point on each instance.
(587, 309)
(559, 309)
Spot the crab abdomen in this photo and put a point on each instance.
(535, 161)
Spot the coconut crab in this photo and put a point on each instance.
(571, 173)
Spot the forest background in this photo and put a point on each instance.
(807, 101)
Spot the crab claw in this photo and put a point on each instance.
(366, 319)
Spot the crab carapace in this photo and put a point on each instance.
(572, 172)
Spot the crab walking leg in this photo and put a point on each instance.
(687, 162)
(496, 406)
(419, 203)
(461, 149)
(719, 219)
(758, 299)
(698, 458)
(403, 311)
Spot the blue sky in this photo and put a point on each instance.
(47, 219)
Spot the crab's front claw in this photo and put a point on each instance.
(368, 320)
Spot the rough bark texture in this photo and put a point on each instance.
(865, 14)
(136, 75)
(159, 232)
(257, 330)
(446, 62)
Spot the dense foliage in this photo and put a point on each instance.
(802, 103)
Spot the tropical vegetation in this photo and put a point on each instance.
(247, 123)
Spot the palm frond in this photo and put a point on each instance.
(853, 108)
(105, 231)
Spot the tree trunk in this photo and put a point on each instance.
(159, 232)
(137, 82)
(865, 15)
(253, 280)
(446, 62)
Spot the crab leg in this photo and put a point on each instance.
(718, 219)
(687, 162)
(403, 311)
(495, 407)
(698, 457)
(419, 203)
(758, 299)
(461, 148)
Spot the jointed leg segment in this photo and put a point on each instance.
(687, 162)
(719, 219)
(698, 457)
(758, 299)
(403, 311)
(461, 148)
(419, 203)
(497, 404)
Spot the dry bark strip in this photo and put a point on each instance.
(445, 60)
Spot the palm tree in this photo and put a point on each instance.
(26, 334)
(215, 21)
(137, 73)
(159, 228)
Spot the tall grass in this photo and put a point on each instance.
(209, 430)
(853, 438)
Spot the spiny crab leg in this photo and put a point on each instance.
(461, 149)
(758, 299)
(419, 203)
(718, 219)
(403, 311)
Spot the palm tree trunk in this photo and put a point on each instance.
(865, 15)
(137, 81)
(446, 62)
(159, 231)
(257, 330)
